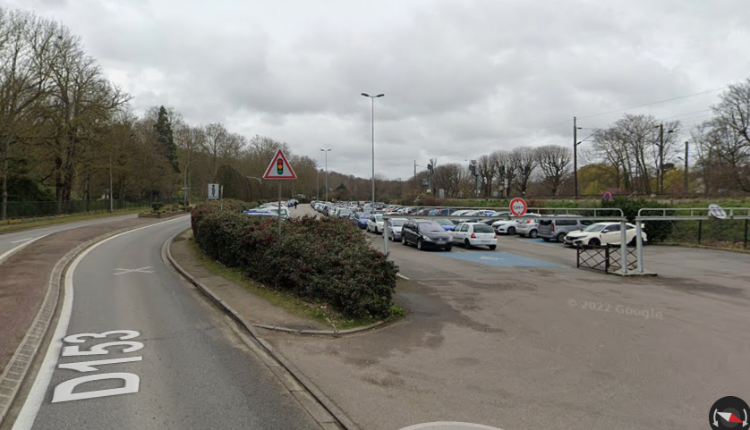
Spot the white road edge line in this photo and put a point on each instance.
(402, 276)
(22, 240)
(18, 248)
(27, 416)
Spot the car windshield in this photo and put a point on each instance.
(397, 222)
(378, 218)
(483, 228)
(430, 227)
(593, 228)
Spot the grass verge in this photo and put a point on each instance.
(45, 222)
(287, 301)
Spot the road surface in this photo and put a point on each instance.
(178, 364)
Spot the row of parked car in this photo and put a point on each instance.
(566, 229)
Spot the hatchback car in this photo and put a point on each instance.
(603, 233)
(558, 227)
(505, 226)
(394, 228)
(474, 234)
(360, 219)
(425, 234)
(375, 224)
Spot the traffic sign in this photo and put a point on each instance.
(213, 191)
(279, 168)
(717, 212)
(518, 207)
(607, 196)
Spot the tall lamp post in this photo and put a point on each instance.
(185, 187)
(372, 99)
(575, 157)
(326, 151)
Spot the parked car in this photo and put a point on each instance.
(444, 212)
(344, 213)
(474, 234)
(445, 223)
(505, 226)
(361, 218)
(394, 228)
(260, 213)
(603, 233)
(275, 210)
(559, 226)
(423, 212)
(425, 233)
(528, 227)
(433, 212)
(375, 223)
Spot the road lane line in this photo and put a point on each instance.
(34, 400)
(18, 248)
(22, 240)
(402, 276)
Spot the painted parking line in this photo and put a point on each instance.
(541, 242)
(499, 259)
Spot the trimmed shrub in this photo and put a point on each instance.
(319, 260)
(656, 231)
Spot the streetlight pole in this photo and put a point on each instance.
(326, 151)
(185, 187)
(111, 194)
(317, 181)
(372, 99)
(685, 186)
(575, 156)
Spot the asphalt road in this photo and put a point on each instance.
(181, 366)
(15, 239)
(518, 338)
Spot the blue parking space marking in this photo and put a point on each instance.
(498, 259)
(542, 242)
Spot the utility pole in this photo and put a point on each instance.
(416, 187)
(685, 186)
(326, 151)
(111, 193)
(575, 156)
(660, 174)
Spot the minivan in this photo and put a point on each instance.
(558, 227)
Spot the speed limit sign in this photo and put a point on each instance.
(518, 207)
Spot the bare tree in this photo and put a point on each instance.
(523, 160)
(487, 169)
(554, 162)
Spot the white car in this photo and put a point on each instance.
(375, 224)
(602, 233)
(394, 228)
(505, 226)
(474, 234)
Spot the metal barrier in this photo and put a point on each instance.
(676, 214)
(607, 259)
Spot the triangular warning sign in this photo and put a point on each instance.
(279, 168)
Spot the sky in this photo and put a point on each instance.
(461, 78)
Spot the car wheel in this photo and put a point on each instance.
(533, 234)
(467, 244)
(403, 241)
(511, 231)
(419, 244)
(633, 242)
(448, 248)
(376, 230)
(560, 238)
(594, 242)
(492, 247)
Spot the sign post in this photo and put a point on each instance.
(607, 196)
(281, 170)
(213, 191)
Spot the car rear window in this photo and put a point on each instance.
(483, 228)
(430, 227)
(545, 222)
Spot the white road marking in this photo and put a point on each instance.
(23, 240)
(489, 258)
(34, 400)
(18, 248)
(141, 270)
(402, 276)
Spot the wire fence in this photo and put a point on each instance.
(27, 211)
(719, 233)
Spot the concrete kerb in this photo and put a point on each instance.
(18, 367)
(318, 395)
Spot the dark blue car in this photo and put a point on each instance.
(360, 219)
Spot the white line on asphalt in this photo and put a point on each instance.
(402, 276)
(22, 240)
(18, 248)
(27, 416)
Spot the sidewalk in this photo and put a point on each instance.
(25, 277)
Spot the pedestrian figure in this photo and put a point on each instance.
(295, 204)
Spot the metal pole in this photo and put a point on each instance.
(623, 249)
(744, 243)
(279, 217)
(660, 173)
(385, 236)
(685, 187)
(575, 157)
(317, 182)
(415, 177)
(372, 99)
(639, 246)
(326, 175)
(184, 186)
(700, 230)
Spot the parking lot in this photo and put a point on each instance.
(519, 338)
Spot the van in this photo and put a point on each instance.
(556, 228)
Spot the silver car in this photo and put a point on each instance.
(394, 228)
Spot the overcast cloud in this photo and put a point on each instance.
(461, 78)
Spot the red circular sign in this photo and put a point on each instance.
(518, 207)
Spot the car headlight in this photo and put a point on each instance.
(426, 239)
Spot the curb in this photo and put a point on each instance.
(18, 367)
(338, 415)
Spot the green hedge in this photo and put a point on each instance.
(321, 260)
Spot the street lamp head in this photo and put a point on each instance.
(365, 94)
(380, 95)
